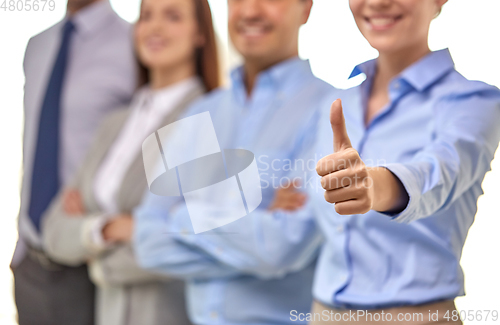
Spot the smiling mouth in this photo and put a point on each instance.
(155, 43)
(254, 31)
(382, 23)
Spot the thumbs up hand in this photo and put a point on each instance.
(345, 177)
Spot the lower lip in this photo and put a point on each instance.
(156, 47)
(382, 27)
(253, 36)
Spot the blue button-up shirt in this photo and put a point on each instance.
(259, 268)
(438, 135)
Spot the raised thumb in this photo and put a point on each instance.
(341, 140)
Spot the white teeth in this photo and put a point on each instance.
(155, 42)
(381, 21)
(253, 31)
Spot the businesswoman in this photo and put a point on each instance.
(90, 221)
(411, 146)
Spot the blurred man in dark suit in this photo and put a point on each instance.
(77, 71)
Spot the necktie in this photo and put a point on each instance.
(45, 179)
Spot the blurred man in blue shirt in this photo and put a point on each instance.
(258, 269)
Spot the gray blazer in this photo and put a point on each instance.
(126, 293)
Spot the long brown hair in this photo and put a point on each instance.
(206, 56)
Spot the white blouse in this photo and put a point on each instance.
(148, 109)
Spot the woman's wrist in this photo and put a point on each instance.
(389, 193)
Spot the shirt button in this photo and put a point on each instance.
(214, 315)
(397, 85)
(184, 232)
(219, 250)
(340, 228)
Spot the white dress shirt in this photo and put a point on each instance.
(148, 109)
(100, 78)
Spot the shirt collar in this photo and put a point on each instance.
(280, 76)
(92, 18)
(367, 68)
(420, 75)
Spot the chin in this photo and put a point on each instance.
(151, 63)
(384, 45)
(253, 55)
(248, 49)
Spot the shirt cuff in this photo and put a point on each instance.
(96, 273)
(92, 233)
(410, 183)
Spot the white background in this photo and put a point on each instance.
(470, 28)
